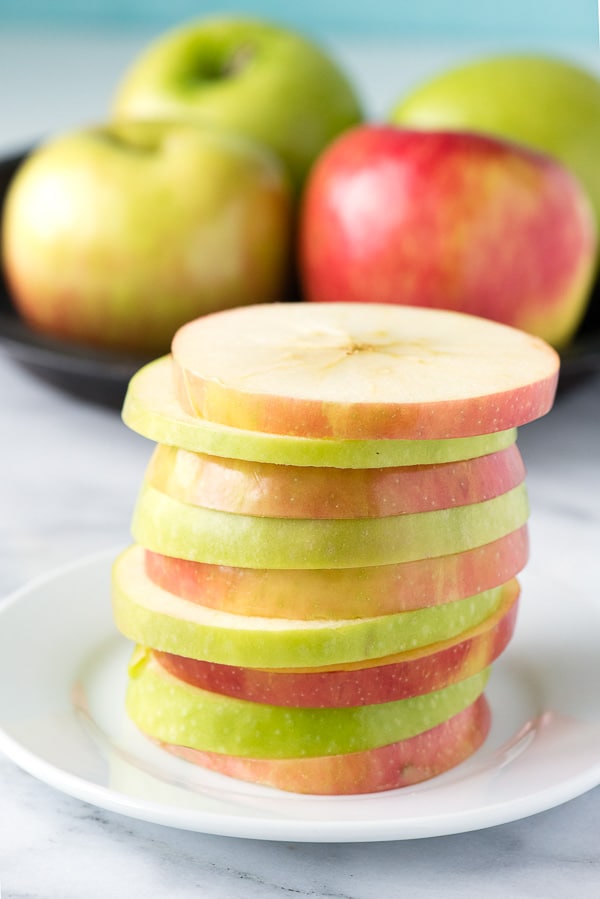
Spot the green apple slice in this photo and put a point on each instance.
(343, 592)
(289, 491)
(389, 767)
(150, 615)
(152, 409)
(172, 711)
(362, 370)
(411, 673)
(167, 526)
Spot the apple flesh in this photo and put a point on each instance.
(156, 618)
(246, 76)
(284, 491)
(547, 103)
(401, 764)
(152, 409)
(167, 709)
(116, 236)
(450, 220)
(362, 370)
(167, 526)
(334, 593)
(411, 674)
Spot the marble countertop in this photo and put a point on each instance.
(71, 472)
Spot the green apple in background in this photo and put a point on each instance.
(551, 104)
(115, 236)
(253, 77)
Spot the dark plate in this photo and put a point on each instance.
(102, 376)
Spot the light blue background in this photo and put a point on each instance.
(565, 20)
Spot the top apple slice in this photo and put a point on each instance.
(364, 371)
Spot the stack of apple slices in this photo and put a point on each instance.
(327, 539)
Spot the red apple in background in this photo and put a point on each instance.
(117, 235)
(450, 220)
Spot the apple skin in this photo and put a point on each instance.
(361, 370)
(547, 103)
(400, 764)
(248, 76)
(342, 593)
(450, 220)
(411, 674)
(115, 236)
(151, 408)
(284, 491)
(167, 709)
(146, 614)
(173, 528)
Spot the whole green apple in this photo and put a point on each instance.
(452, 220)
(551, 104)
(115, 236)
(247, 75)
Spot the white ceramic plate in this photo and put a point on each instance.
(62, 719)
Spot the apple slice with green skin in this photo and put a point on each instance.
(151, 408)
(342, 592)
(400, 764)
(285, 491)
(167, 526)
(362, 370)
(169, 710)
(154, 617)
(415, 672)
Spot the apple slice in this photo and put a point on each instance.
(362, 371)
(165, 525)
(342, 592)
(286, 491)
(413, 673)
(152, 409)
(399, 764)
(147, 614)
(167, 709)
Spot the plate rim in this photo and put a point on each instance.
(244, 826)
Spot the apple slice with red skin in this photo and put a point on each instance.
(156, 618)
(399, 764)
(362, 370)
(167, 709)
(335, 593)
(285, 491)
(415, 672)
(151, 408)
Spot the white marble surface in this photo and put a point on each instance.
(70, 475)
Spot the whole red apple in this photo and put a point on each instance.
(449, 220)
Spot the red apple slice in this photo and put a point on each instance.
(169, 710)
(153, 617)
(414, 673)
(364, 371)
(285, 491)
(335, 593)
(152, 409)
(399, 764)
